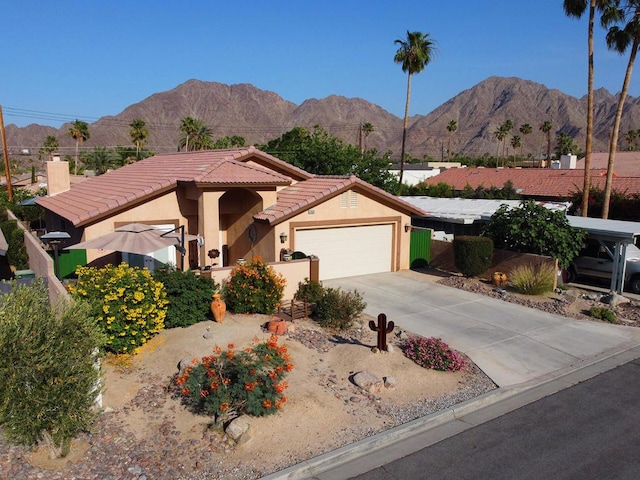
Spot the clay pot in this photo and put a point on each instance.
(218, 308)
(277, 325)
(499, 278)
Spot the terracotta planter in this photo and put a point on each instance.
(218, 308)
(499, 278)
(277, 325)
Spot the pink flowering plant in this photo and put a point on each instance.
(433, 353)
(231, 382)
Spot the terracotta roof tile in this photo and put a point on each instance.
(306, 194)
(119, 188)
(626, 164)
(533, 182)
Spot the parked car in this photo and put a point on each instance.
(596, 261)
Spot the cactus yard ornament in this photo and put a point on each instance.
(383, 328)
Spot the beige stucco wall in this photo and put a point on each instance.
(367, 212)
(160, 210)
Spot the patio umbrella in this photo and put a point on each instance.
(133, 238)
(4, 246)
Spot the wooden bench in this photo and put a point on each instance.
(294, 309)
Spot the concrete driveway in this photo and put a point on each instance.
(510, 343)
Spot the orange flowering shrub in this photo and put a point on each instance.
(231, 381)
(254, 287)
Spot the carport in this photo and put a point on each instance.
(619, 232)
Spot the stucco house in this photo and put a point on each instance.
(241, 202)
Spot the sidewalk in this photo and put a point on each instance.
(529, 354)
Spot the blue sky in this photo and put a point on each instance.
(63, 60)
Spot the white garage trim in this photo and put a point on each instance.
(350, 250)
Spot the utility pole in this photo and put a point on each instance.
(5, 152)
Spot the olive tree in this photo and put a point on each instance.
(533, 228)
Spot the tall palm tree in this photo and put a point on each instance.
(452, 126)
(414, 54)
(576, 8)
(367, 129)
(196, 135)
(500, 134)
(546, 127)
(516, 142)
(525, 129)
(138, 134)
(619, 39)
(506, 127)
(79, 131)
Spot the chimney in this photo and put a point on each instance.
(58, 180)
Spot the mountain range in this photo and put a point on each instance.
(259, 116)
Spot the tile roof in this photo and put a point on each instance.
(626, 164)
(303, 195)
(101, 195)
(532, 182)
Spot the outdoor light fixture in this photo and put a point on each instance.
(55, 239)
(407, 227)
(283, 237)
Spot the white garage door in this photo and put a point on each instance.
(348, 251)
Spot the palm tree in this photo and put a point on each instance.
(546, 127)
(367, 129)
(100, 160)
(515, 143)
(507, 126)
(576, 8)
(414, 54)
(196, 135)
(525, 129)
(50, 145)
(619, 39)
(138, 134)
(79, 131)
(500, 134)
(452, 126)
(630, 138)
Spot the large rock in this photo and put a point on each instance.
(368, 382)
(238, 429)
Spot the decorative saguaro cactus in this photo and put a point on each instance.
(383, 328)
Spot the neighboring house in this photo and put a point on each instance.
(626, 164)
(415, 173)
(242, 202)
(544, 184)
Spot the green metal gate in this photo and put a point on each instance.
(420, 248)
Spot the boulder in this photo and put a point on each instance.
(368, 382)
(238, 429)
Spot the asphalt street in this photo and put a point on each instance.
(588, 431)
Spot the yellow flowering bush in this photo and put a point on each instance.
(130, 305)
(254, 287)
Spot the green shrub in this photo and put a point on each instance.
(533, 280)
(254, 287)
(310, 291)
(472, 255)
(189, 296)
(47, 373)
(16, 251)
(603, 313)
(432, 353)
(231, 382)
(129, 304)
(338, 309)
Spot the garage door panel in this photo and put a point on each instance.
(348, 251)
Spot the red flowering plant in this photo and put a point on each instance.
(231, 382)
(433, 353)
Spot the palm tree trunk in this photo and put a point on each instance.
(404, 130)
(588, 146)
(75, 167)
(616, 128)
